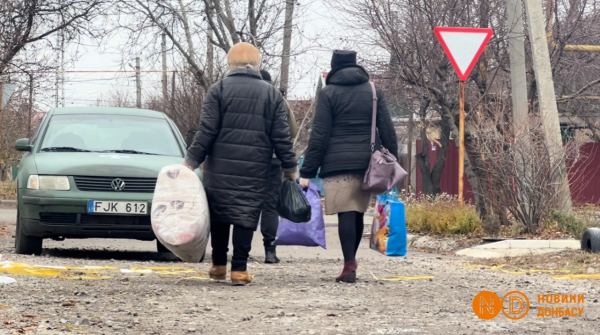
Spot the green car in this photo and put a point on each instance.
(90, 172)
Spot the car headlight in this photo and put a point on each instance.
(55, 183)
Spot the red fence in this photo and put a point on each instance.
(584, 174)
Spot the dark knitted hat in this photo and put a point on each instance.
(266, 76)
(342, 59)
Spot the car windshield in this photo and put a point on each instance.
(110, 133)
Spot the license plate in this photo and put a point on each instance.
(118, 207)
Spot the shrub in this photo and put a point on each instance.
(442, 218)
(575, 224)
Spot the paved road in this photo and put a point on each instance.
(8, 215)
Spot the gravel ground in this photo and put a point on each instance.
(297, 296)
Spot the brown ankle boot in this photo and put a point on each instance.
(240, 278)
(218, 272)
(349, 273)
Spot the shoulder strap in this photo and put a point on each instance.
(374, 118)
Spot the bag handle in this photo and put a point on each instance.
(374, 117)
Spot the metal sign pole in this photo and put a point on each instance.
(463, 46)
(461, 149)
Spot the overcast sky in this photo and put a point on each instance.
(87, 88)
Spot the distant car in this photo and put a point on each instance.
(90, 172)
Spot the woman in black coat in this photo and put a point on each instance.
(243, 122)
(340, 145)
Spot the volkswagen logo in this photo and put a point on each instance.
(117, 184)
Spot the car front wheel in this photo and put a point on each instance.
(26, 245)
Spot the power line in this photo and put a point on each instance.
(105, 71)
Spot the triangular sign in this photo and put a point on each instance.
(463, 46)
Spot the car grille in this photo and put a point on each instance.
(58, 218)
(113, 220)
(86, 221)
(104, 184)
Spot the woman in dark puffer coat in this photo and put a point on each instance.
(340, 145)
(243, 122)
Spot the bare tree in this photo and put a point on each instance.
(189, 24)
(184, 101)
(25, 22)
(519, 170)
(404, 29)
(15, 126)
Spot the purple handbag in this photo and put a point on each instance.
(308, 234)
(384, 172)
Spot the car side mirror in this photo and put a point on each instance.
(23, 144)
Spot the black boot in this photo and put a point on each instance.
(271, 255)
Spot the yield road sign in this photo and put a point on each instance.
(463, 46)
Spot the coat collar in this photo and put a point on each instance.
(244, 71)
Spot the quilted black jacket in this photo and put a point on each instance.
(341, 132)
(243, 122)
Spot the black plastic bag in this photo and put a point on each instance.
(292, 204)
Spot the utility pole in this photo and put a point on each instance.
(164, 74)
(287, 40)
(173, 93)
(547, 101)
(30, 109)
(518, 86)
(57, 81)
(138, 83)
(62, 66)
(518, 77)
(210, 51)
(409, 151)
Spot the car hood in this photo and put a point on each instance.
(102, 164)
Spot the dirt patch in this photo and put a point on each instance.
(6, 230)
(441, 244)
(575, 262)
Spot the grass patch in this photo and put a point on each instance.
(443, 218)
(8, 190)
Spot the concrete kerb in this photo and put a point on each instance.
(515, 248)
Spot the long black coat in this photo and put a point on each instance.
(341, 132)
(243, 122)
